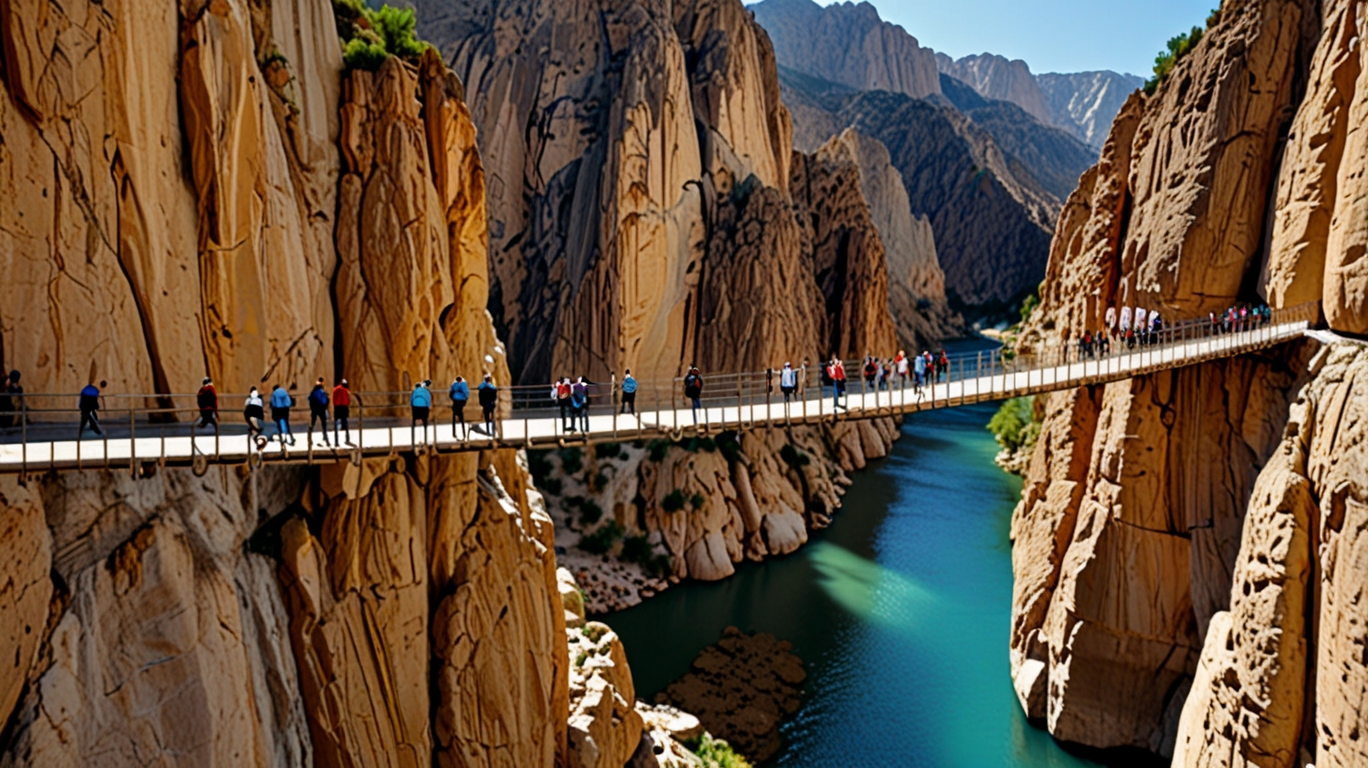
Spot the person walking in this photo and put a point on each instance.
(769, 381)
(89, 405)
(420, 405)
(489, 400)
(254, 413)
(871, 371)
(838, 381)
(579, 404)
(281, 403)
(207, 401)
(629, 390)
(788, 381)
(318, 410)
(341, 402)
(460, 395)
(693, 390)
(1111, 321)
(900, 363)
(919, 372)
(1125, 322)
(563, 401)
(943, 365)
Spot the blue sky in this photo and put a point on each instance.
(1050, 35)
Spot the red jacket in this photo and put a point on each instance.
(838, 372)
(207, 398)
(341, 395)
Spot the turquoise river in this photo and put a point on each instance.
(900, 610)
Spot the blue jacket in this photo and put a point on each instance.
(90, 398)
(489, 394)
(460, 391)
(919, 364)
(421, 398)
(629, 384)
(280, 398)
(579, 394)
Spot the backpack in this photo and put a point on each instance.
(319, 398)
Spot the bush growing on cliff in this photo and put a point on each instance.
(794, 457)
(371, 36)
(673, 501)
(716, 753)
(572, 460)
(601, 541)
(1014, 424)
(1178, 47)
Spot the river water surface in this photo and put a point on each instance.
(900, 610)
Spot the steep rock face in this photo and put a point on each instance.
(170, 642)
(351, 615)
(1319, 235)
(991, 224)
(1125, 539)
(1281, 681)
(1179, 214)
(848, 43)
(1085, 103)
(998, 77)
(1273, 684)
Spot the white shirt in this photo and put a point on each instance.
(788, 377)
(1125, 318)
(1140, 313)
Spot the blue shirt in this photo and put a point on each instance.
(280, 398)
(460, 391)
(920, 364)
(629, 384)
(421, 398)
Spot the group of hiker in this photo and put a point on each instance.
(1240, 318)
(327, 408)
(1137, 326)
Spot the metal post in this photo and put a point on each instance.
(360, 426)
(132, 445)
(612, 397)
(23, 437)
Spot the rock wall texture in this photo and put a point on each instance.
(203, 189)
(848, 43)
(1182, 547)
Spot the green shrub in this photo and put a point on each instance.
(371, 36)
(590, 512)
(601, 541)
(1014, 424)
(1178, 47)
(794, 457)
(657, 449)
(572, 460)
(696, 501)
(716, 753)
(397, 26)
(607, 450)
(600, 481)
(363, 55)
(673, 501)
(1029, 304)
(636, 549)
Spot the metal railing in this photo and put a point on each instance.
(141, 431)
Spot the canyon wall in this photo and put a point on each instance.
(204, 190)
(1184, 545)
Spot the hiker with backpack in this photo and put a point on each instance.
(341, 402)
(693, 390)
(629, 390)
(207, 401)
(460, 395)
(318, 410)
(281, 403)
(579, 403)
(489, 400)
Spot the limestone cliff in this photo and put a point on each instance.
(848, 43)
(1085, 103)
(203, 189)
(1179, 549)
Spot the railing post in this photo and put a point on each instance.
(739, 422)
(23, 438)
(132, 444)
(612, 402)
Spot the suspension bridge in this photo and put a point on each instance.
(137, 437)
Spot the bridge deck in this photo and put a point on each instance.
(129, 445)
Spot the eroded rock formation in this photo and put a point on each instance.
(1181, 545)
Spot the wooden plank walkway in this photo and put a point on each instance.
(539, 427)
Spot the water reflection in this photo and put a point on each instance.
(869, 591)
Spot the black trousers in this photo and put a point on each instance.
(89, 417)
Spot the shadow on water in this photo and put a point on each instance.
(900, 610)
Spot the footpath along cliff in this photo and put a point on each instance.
(210, 188)
(1187, 551)
(648, 212)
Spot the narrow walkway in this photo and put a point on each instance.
(39, 446)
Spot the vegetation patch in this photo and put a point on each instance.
(794, 457)
(572, 460)
(1014, 425)
(590, 512)
(370, 36)
(716, 753)
(1178, 46)
(637, 549)
(607, 450)
(673, 501)
(601, 541)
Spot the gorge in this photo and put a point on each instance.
(270, 191)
